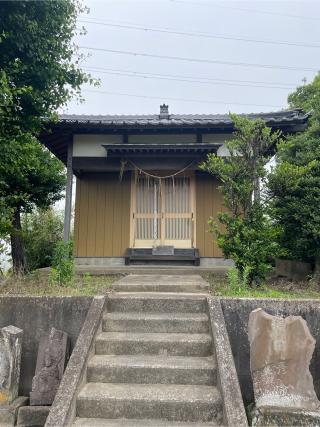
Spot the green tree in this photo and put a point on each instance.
(38, 180)
(42, 230)
(294, 184)
(247, 235)
(39, 72)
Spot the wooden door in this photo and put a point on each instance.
(177, 212)
(146, 216)
(163, 212)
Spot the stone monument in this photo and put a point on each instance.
(280, 354)
(10, 361)
(52, 357)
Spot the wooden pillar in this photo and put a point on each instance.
(68, 199)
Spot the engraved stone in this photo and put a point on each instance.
(10, 361)
(52, 357)
(280, 354)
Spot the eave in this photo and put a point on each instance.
(152, 150)
(59, 134)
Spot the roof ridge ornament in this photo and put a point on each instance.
(164, 112)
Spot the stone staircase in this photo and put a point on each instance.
(154, 364)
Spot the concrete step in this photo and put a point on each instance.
(156, 401)
(152, 369)
(160, 287)
(161, 283)
(103, 422)
(154, 343)
(95, 269)
(162, 276)
(155, 322)
(157, 302)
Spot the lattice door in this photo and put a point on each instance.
(163, 212)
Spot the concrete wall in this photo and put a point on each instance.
(236, 313)
(36, 316)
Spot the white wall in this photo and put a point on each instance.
(92, 145)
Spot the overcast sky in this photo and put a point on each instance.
(288, 22)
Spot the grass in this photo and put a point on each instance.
(89, 285)
(281, 289)
(38, 284)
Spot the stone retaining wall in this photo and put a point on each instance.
(36, 316)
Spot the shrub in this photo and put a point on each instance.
(62, 269)
(251, 242)
(41, 230)
(238, 282)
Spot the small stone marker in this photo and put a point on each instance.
(52, 357)
(10, 361)
(280, 354)
(163, 250)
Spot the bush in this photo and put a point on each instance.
(250, 241)
(62, 269)
(41, 230)
(238, 282)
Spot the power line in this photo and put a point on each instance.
(131, 26)
(243, 9)
(172, 77)
(208, 61)
(166, 98)
(288, 85)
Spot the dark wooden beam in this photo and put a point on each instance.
(101, 164)
(199, 138)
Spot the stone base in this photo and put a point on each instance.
(38, 398)
(277, 417)
(33, 416)
(100, 261)
(119, 262)
(8, 413)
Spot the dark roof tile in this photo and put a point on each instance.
(180, 119)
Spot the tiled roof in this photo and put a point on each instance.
(285, 116)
